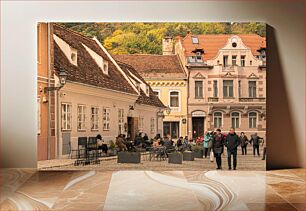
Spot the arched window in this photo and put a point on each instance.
(217, 119)
(235, 116)
(174, 99)
(252, 119)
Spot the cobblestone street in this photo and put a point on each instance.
(244, 162)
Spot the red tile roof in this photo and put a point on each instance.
(152, 99)
(87, 71)
(154, 66)
(212, 43)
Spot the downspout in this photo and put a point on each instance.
(49, 99)
(57, 124)
(188, 96)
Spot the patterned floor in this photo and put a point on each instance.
(27, 189)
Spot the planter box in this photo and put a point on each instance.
(198, 154)
(176, 158)
(128, 157)
(188, 156)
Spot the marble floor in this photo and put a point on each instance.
(28, 189)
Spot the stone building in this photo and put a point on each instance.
(168, 79)
(227, 82)
(100, 96)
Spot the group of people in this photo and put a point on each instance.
(213, 143)
(216, 141)
(126, 144)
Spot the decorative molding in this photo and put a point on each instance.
(199, 76)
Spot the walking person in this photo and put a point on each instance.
(217, 146)
(243, 143)
(264, 149)
(232, 142)
(255, 141)
(207, 139)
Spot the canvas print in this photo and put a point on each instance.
(154, 96)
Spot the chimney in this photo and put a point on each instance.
(168, 46)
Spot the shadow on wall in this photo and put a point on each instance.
(282, 142)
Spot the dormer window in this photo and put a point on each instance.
(198, 56)
(105, 67)
(73, 56)
(102, 64)
(195, 40)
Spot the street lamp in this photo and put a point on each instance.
(62, 79)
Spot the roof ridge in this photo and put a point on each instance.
(74, 32)
(142, 55)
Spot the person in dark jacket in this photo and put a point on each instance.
(179, 143)
(138, 140)
(255, 141)
(243, 143)
(232, 142)
(218, 145)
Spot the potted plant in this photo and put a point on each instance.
(112, 148)
(128, 157)
(175, 157)
(197, 151)
(188, 156)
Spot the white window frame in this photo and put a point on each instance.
(141, 123)
(94, 118)
(157, 90)
(239, 119)
(152, 125)
(106, 118)
(120, 120)
(194, 38)
(242, 58)
(81, 117)
(175, 109)
(217, 88)
(221, 118)
(38, 116)
(252, 91)
(228, 90)
(256, 122)
(195, 96)
(234, 60)
(65, 126)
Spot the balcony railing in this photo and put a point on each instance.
(248, 99)
(213, 99)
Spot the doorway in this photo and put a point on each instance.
(132, 129)
(197, 127)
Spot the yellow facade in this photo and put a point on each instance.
(175, 123)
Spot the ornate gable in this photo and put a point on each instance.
(228, 75)
(199, 76)
(253, 76)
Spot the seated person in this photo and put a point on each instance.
(155, 143)
(168, 143)
(101, 144)
(179, 143)
(120, 144)
(138, 140)
(161, 142)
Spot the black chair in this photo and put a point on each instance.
(81, 151)
(92, 151)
